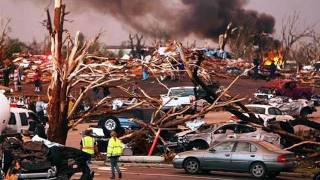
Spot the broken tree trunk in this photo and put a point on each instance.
(57, 106)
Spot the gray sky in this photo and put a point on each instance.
(26, 17)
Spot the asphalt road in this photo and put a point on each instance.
(152, 173)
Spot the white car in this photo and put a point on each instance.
(18, 121)
(264, 93)
(266, 112)
(178, 97)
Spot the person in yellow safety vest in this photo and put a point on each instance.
(88, 143)
(114, 151)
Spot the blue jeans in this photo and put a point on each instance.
(114, 165)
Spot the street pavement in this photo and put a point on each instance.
(154, 173)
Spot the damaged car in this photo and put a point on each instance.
(266, 112)
(41, 159)
(299, 107)
(208, 135)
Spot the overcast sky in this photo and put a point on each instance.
(26, 18)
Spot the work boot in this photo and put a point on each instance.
(120, 175)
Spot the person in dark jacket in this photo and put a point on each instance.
(256, 63)
(272, 69)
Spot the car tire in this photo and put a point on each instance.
(191, 166)
(258, 170)
(110, 123)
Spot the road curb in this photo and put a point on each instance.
(163, 165)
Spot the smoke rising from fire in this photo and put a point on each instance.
(179, 18)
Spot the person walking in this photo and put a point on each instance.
(40, 109)
(17, 80)
(256, 63)
(114, 151)
(88, 143)
(6, 76)
(37, 80)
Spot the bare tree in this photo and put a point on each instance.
(70, 71)
(291, 33)
(159, 35)
(4, 30)
(136, 44)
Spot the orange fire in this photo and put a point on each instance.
(275, 56)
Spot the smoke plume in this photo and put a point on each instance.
(179, 18)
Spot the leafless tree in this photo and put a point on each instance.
(136, 44)
(4, 30)
(159, 35)
(70, 71)
(292, 32)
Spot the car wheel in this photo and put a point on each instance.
(192, 166)
(258, 170)
(109, 124)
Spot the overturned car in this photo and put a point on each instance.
(208, 135)
(41, 159)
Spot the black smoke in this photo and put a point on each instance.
(204, 18)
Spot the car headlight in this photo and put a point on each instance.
(177, 156)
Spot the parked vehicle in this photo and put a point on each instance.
(299, 107)
(118, 124)
(106, 125)
(264, 93)
(18, 121)
(13, 120)
(266, 112)
(260, 158)
(178, 97)
(208, 135)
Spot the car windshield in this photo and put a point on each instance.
(269, 146)
(257, 110)
(182, 92)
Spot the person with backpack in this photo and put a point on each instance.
(114, 151)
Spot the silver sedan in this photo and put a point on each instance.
(259, 158)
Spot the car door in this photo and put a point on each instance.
(219, 156)
(243, 155)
